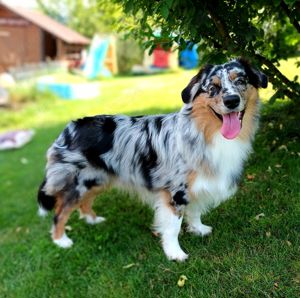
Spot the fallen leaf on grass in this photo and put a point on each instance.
(288, 243)
(166, 269)
(276, 285)
(283, 147)
(297, 280)
(24, 161)
(259, 216)
(68, 228)
(268, 234)
(250, 177)
(181, 281)
(129, 266)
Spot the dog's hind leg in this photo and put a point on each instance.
(167, 223)
(85, 207)
(63, 211)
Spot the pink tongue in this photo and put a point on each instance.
(231, 125)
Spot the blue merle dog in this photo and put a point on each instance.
(183, 163)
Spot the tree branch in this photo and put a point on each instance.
(289, 88)
(220, 26)
(275, 70)
(289, 14)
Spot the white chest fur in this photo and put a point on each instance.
(225, 158)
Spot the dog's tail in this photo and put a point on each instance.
(46, 202)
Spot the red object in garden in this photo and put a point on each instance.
(161, 57)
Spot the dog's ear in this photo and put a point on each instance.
(263, 79)
(256, 78)
(189, 92)
(194, 87)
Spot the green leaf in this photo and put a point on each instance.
(164, 11)
(290, 2)
(169, 3)
(128, 7)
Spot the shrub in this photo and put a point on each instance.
(129, 53)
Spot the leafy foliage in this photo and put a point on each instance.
(264, 31)
(87, 17)
(129, 53)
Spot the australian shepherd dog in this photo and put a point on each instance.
(183, 163)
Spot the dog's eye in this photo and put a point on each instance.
(213, 89)
(240, 81)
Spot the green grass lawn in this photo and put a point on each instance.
(245, 256)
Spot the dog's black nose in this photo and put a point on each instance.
(231, 101)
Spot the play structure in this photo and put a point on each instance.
(189, 57)
(162, 59)
(101, 59)
(69, 91)
(159, 61)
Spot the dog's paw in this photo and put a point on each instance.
(178, 256)
(200, 230)
(64, 241)
(93, 220)
(174, 253)
(42, 212)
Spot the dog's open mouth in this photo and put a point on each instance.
(231, 123)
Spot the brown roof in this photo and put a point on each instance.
(48, 24)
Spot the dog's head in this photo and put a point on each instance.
(224, 91)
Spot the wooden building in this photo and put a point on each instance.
(28, 36)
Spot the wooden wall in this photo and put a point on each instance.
(20, 40)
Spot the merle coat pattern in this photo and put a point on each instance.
(186, 162)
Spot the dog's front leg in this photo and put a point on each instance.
(167, 222)
(193, 217)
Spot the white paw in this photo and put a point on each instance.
(93, 220)
(178, 255)
(201, 229)
(64, 241)
(42, 212)
(174, 252)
